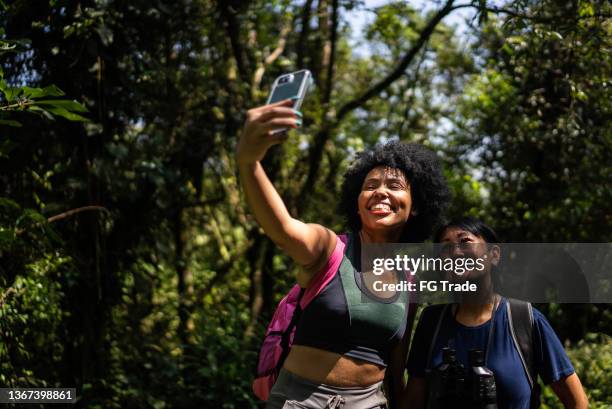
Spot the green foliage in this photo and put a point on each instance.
(11, 46)
(31, 297)
(160, 300)
(554, 115)
(26, 99)
(592, 359)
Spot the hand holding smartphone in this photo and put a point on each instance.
(267, 125)
(290, 86)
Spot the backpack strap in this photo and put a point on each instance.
(327, 272)
(432, 322)
(286, 335)
(520, 317)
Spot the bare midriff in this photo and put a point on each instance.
(330, 368)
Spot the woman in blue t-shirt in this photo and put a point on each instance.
(481, 321)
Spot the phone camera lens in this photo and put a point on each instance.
(286, 79)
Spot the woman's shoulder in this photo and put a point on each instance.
(538, 315)
(322, 274)
(539, 321)
(508, 302)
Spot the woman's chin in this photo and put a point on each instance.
(386, 222)
(466, 275)
(458, 278)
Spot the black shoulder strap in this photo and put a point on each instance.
(520, 317)
(432, 321)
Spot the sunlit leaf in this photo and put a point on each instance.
(50, 91)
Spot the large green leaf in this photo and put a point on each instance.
(66, 114)
(11, 93)
(50, 91)
(63, 103)
(43, 112)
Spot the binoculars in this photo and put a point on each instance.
(450, 385)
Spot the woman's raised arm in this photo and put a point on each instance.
(309, 245)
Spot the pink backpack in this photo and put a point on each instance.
(279, 335)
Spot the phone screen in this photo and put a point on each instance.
(288, 86)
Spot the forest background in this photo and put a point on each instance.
(130, 267)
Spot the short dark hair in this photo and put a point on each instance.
(428, 187)
(469, 224)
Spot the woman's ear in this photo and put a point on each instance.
(495, 255)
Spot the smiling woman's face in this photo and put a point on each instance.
(385, 200)
(460, 243)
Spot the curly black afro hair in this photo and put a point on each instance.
(429, 190)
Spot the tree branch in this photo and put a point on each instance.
(321, 138)
(72, 212)
(4, 296)
(536, 18)
(278, 51)
(332, 55)
(233, 32)
(400, 68)
(512, 13)
(317, 52)
(301, 44)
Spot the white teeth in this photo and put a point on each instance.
(381, 206)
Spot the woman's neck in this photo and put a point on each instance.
(474, 311)
(388, 236)
(477, 308)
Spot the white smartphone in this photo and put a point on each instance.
(293, 85)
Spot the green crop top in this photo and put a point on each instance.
(347, 319)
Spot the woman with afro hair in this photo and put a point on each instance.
(343, 345)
